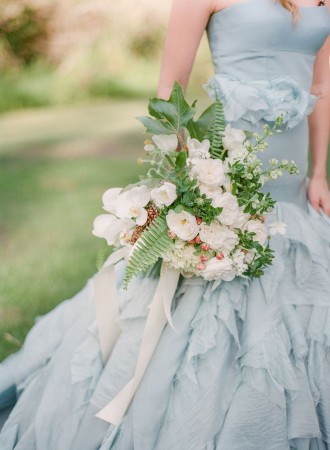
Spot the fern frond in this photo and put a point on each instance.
(217, 130)
(152, 244)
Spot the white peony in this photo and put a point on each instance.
(259, 229)
(209, 171)
(211, 191)
(197, 149)
(219, 237)
(109, 199)
(230, 207)
(219, 269)
(183, 225)
(164, 195)
(131, 204)
(233, 138)
(277, 227)
(115, 231)
(166, 142)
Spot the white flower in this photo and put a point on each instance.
(166, 142)
(277, 227)
(230, 210)
(197, 149)
(109, 199)
(209, 171)
(219, 269)
(241, 219)
(115, 231)
(213, 191)
(183, 224)
(259, 229)
(182, 256)
(131, 204)
(237, 153)
(149, 148)
(239, 262)
(164, 195)
(233, 138)
(219, 237)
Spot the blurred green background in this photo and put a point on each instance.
(74, 74)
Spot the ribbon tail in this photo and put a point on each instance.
(106, 303)
(156, 321)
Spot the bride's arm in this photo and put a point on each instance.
(319, 127)
(187, 23)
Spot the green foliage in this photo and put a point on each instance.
(263, 255)
(198, 129)
(168, 116)
(216, 131)
(151, 245)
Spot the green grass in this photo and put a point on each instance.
(54, 167)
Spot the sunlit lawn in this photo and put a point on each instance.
(54, 166)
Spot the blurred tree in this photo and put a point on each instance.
(24, 32)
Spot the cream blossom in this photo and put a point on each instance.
(182, 256)
(209, 171)
(109, 199)
(183, 225)
(240, 219)
(164, 195)
(230, 209)
(131, 204)
(233, 138)
(211, 191)
(197, 149)
(115, 231)
(216, 269)
(219, 237)
(277, 227)
(166, 142)
(259, 229)
(238, 153)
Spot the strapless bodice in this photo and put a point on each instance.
(256, 39)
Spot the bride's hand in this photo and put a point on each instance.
(319, 194)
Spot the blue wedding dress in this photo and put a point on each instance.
(248, 367)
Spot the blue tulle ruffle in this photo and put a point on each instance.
(258, 100)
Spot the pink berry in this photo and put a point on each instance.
(220, 256)
(205, 247)
(198, 240)
(171, 235)
(198, 220)
(200, 266)
(203, 258)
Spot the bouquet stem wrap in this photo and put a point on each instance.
(106, 303)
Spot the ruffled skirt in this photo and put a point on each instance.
(247, 367)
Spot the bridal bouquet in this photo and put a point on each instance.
(200, 207)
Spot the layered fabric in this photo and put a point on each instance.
(247, 365)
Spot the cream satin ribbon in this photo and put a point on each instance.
(107, 319)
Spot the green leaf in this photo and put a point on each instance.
(155, 126)
(181, 160)
(152, 244)
(198, 128)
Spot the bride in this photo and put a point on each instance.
(248, 365)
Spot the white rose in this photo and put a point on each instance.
(197, 149)
(164, 195)
(219, 269)
(115, 231)
(131, 204)
(209, 171)
(183, 224)
(218, 237)
(277, 227)
(166, 142)
(212, 192)
(232, 138)
(241, 219)
(230, 210)
(109, 199)
(259, 229)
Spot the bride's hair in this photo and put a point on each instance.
(292, 7)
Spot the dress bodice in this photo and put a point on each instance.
(258, 40)
(260, 55)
